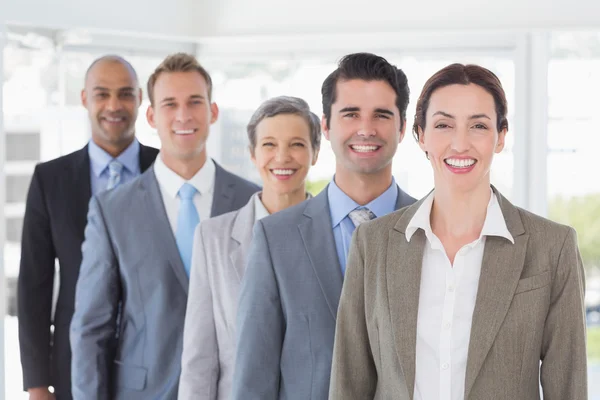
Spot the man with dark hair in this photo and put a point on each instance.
(293, 281)
(138, 246)
(55, 218)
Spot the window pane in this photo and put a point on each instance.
(17, 187)
(14, 228)
(22, 146)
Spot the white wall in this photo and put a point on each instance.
(177, 18)
(202, 18)
(333, 16)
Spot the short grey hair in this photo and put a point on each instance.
(285, 105)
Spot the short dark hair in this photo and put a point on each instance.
(367, 67)
(285, 105)
(460, 74)
(178, 62)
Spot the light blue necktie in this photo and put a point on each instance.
(114, 174)
(187, 221)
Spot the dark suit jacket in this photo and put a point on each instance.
(53, 228)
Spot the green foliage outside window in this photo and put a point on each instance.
(583, 214)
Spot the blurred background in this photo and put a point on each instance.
(546, 53)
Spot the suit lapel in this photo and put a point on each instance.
(317, 235)
(500, 273)
(403, 199)
(501, 269)
(241, 234)
(321, 247)
(223, 194)
(82, 188)
(161, 226)
(403, 273)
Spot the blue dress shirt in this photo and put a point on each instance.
(340, 205)
(99, 160)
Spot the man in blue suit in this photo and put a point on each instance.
(293, 281)
(138, 243)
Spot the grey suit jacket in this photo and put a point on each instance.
(130, 257)
(529, 308)
(288, 304)
(220, 248)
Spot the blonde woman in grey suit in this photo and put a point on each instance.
(284, 140)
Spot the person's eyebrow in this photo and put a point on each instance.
(443, 114)
(477, 116)
(384, 111)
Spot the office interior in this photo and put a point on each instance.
(546, 53)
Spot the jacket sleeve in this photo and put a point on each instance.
(564, 359)
(35, 286)
(93, 326)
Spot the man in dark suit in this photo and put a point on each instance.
(55, 219)
(138, 245)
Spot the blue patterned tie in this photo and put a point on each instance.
(360, 215)
(187, 221)
(114, 174)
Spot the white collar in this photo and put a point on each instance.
(494, 224)
(203, 180)
(260, 211)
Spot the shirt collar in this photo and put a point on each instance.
(340, 204)
(203, 180)
(260, 211)
(494, 224)
(99, 158)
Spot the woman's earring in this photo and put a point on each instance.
(427, 155)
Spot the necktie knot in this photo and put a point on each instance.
(187, 192)
(360, 215)
(115, 167)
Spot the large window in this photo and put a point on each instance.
(573, 143)
(27, 90)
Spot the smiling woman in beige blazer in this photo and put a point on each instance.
(285, 138)
(461, 295)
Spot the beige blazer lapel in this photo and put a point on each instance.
(403, 273)
(500, 272)
(241, 235)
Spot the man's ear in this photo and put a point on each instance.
(324, 127)
(150, 116)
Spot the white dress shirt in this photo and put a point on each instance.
(260, 211)
(446, 303)
(170, 183)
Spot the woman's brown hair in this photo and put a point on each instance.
(459, 74)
